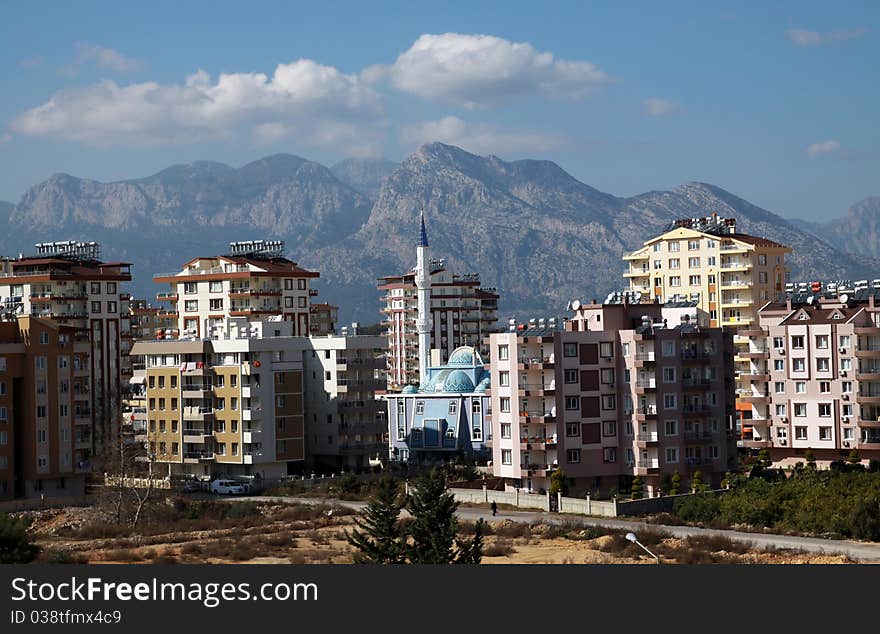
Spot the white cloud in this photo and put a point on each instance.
(102, 57)
(803, 37)
(657, 107)
(318, 103)
(479, 138)
(825, 147)
(484, 70)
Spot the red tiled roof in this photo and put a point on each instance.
(758, 242)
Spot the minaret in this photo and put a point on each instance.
(423, 291)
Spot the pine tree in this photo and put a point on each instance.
(380, 539)
(471, 551)
(811, 459)
(433, 526)
(558, 483)
(697, 482)
(636, 489)
(15, 544)
(676, 484)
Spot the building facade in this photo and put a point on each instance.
(252, 281)
(45, 441)
(814, 375)
(616, 393)
(447, 416)
(324, 318)
(346, 423)
(458, 311)
(68, 284)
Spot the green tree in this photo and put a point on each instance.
(697, 482)
(811, 459)
(558, 483)
(378, 537)
(865, 521)
(433, 528)
(764, 460)
(15, 544)
(637, 488)
(727, 481)
(675, 489)
(853, 457)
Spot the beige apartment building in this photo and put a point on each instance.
(814, 376)
(45, 440)
(68, 284)
(613, 394)
(729, 274)
(254, 281)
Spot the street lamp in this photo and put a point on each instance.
(635, 540)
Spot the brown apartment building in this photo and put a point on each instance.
(42, 438)
(617, 392)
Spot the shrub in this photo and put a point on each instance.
(16, 546)
(866, 519)
(697, 508)
(500, 548)
(716, 543)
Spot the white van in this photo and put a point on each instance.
(227, 487)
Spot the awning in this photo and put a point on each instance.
(137, 380)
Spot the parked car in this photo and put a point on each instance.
(227, 487)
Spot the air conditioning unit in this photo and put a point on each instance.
(843, 373)
(846, 419)
(783, 419)
(783, 441)
(780, 350)
(845, 397)
(841, 350)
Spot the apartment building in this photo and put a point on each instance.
(324, 318)
(231, 405)
(617, 391)
(148, 321)
(68, 284)
(346, 423)
(447, 416)
(252, 280)
(458, 312)
(814, 375)
(45, 440)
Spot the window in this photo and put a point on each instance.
(606, 349)
(694, 280)
(779, 365)
(671, 427)
(301, 284)
(505, 404)
(570, 350)
(503, 353)
(668, 375)
(821, 341)
(572, 429)
(800, 409)
(505, 430)
(694, 263)
(506, 456)
(288, 302)
(800, 387)
(111, 307)
(420, 407)
(609, 454)
(779, 387)
(668, 348)
(846, 387)
(674, 245)
(674, 263)
(96, 307)
(675, 280)
(669, 401)
(609, 401)
(216, 304)
(607, 376)
(672, 455)
(825, 410)
(41, 411)
(845, 365)
(779, 342)
(96, 288)
(301, 302)
(824, 387)
(453, 407)
(624, 349)
(824, 433)
(710, 261)
(477, 407)
(823, 364)
(504, 379)
(191, 305)
(609, 428)
(572, 403)
(844, 341)
(657, 246)
(571, 376)
(799, 365)
(189, 288)
(762, 259)
(797, 342)
(762, 277)
(573, 456)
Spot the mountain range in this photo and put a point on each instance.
(533, 231)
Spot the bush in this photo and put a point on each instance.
(697, 508)
(16, 546)
(716, 543)
(500, 548)
(866, 519)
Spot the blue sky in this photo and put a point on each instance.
(774, 103)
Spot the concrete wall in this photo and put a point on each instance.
(663, 504)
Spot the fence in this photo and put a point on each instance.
(664, 504)
(139, 483)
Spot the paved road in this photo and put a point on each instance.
(861, 551)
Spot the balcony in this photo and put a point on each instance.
(644, 387)
(537, 389)
(868, 397)
(194, 457)
(760, 353)
(167, 297)
(646, 412)
(696, 355)
(196, 391)
(643, 358)
(644, 467)
(753, 397)
(197, 435)
(529, 363)
(868, 351)
(692, 409)
(644, 440)
(698, 436)
(197, 413)
(642, 271)
(756, 444)
(695, 464)
(537, 416)
(752, 376)
(735, 266)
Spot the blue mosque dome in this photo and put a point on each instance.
(409, 389)
(458, 381)
(463, 355)
(483, 385)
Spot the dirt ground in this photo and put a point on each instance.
(277, 533)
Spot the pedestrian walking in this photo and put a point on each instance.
(494, 508)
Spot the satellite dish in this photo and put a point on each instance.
(638, 297)
(844, 298)
(576, 305)
(810, 299)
